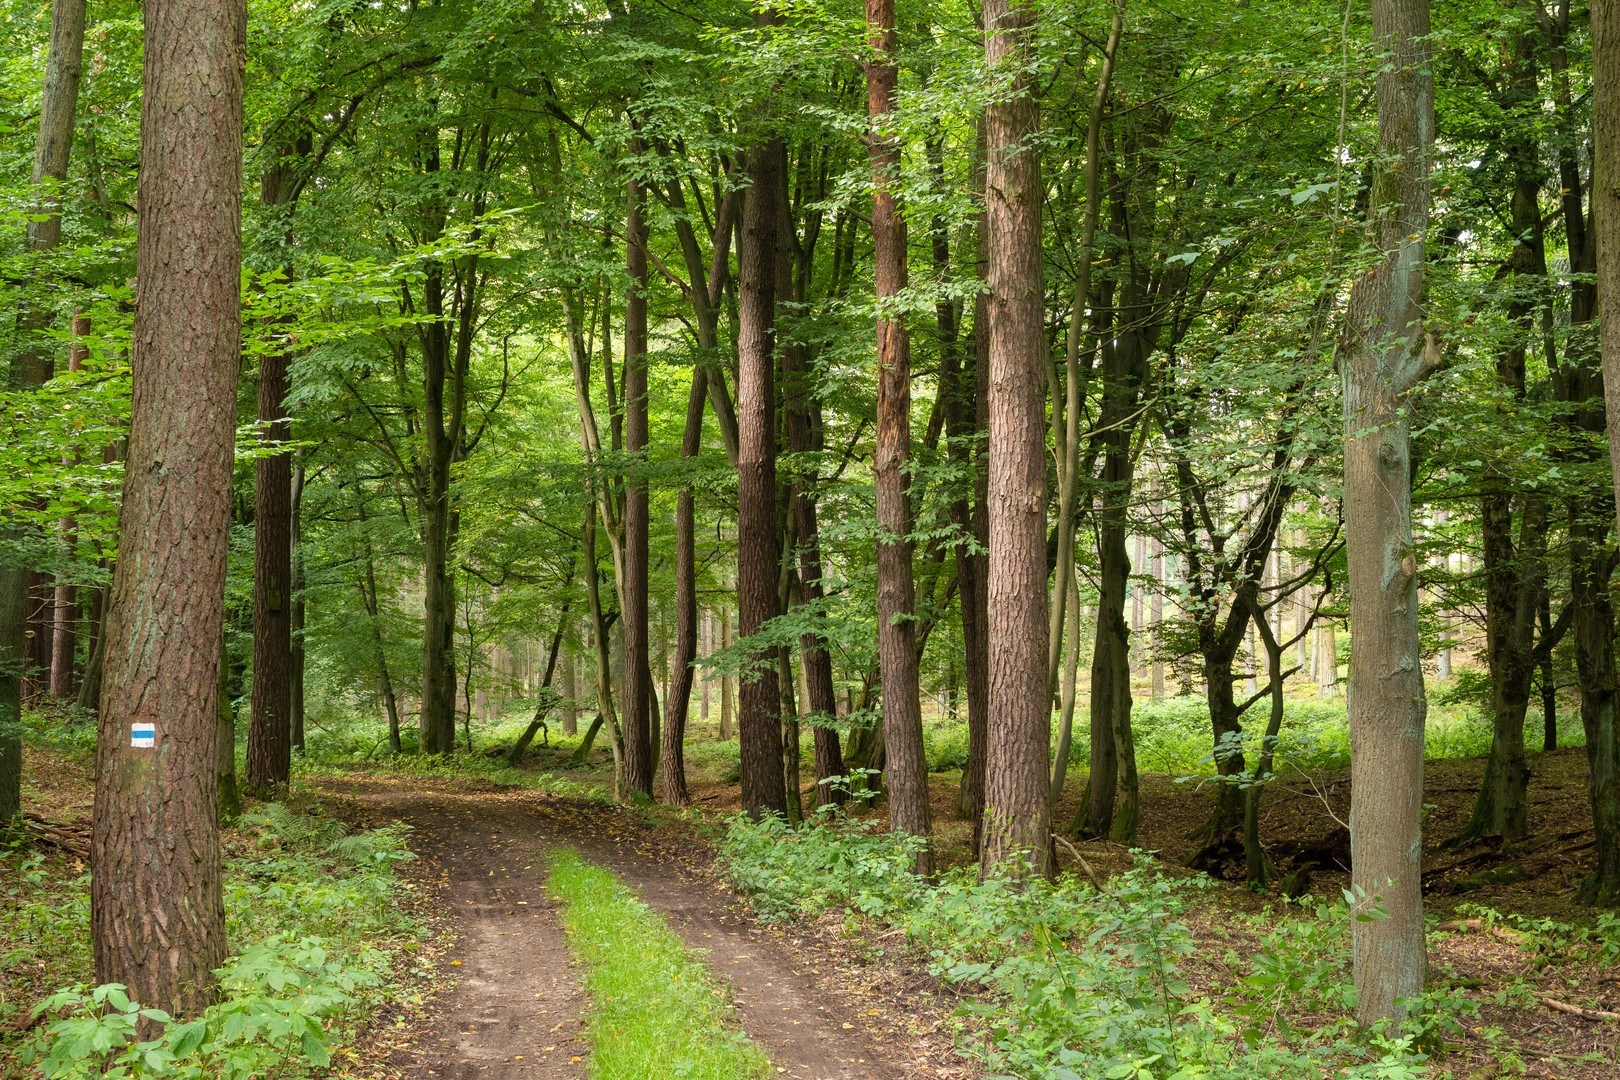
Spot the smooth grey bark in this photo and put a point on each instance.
(1382, 356)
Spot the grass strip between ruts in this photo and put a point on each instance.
(655, 1012)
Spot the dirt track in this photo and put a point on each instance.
(518, 991)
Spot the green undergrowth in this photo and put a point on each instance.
(315, 932)
(1173, 736)
(655, 1012)
(1065, 981)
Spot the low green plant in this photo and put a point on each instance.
(1068, 981)
(806, 869)
(278, 1000)
(655, 1011)
(310, 914)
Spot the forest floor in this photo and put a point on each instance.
(841, 999)
(517, 1009)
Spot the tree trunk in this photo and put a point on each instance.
(759, 726)
(896, 593)
(295, 703)
(679, 701)
(638, 754)
(269, 745)
(230, 795)
(157, 915)
(1017, 835)
(1381, 352)
(604, 666)
(971, 801)
(1591, 563)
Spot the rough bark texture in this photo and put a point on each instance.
(1017, 769)
(1595, 645)
(157, 917)
(638, 753)
(269, 745)
(1381, 351)
(1606, 201)
(896, 592)
(758, 725)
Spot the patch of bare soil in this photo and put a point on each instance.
(813, 1009)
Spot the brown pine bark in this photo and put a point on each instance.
(638, 753)
(758, 725)
(157, 916)
(1382, 350)
(897, 597)
(1017, 831)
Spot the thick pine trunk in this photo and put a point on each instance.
(1381, 352)
(157, 915)
(896, 592)
(638, 752)
(1017, 830)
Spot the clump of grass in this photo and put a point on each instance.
(655, 1012)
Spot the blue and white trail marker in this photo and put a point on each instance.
(143, 736)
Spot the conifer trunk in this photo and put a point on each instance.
(896, 592)
(638, 753)
(759, 727)
(1017, 831)
(157, 914)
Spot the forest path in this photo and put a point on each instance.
(489, 847)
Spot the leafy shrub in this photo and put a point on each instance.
(278, 998)
(793, 871)
(304, 914)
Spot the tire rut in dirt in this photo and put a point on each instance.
(808, 1035)
(517, 1012)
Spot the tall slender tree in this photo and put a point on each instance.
(1384, 353)
(269, 745)
(758, 725)
(897, 596)
(1017, 828)
(638, 753)
(156, 912)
